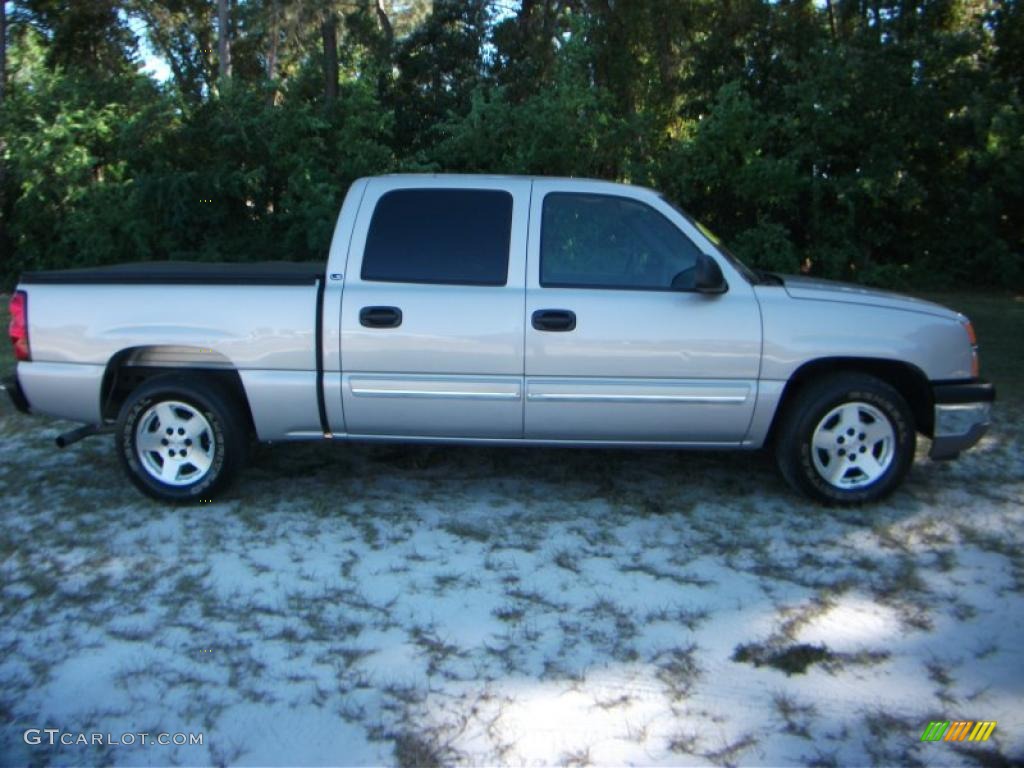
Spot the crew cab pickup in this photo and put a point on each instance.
(497, 310)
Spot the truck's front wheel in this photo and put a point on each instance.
(181, 439)
(846, 439)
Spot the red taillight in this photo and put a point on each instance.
(19, 325)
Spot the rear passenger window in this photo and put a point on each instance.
(457, 236)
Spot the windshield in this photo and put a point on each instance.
(748, 274)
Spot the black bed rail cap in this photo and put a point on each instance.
(185, 273)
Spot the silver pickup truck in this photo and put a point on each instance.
(497, 310)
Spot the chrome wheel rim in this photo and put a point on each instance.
(174, 443)
(853, 445)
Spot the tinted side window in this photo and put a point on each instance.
(458, 236)
(603, 241)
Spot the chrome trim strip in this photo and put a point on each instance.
(597, 398)
(439, 388)
(640, 391)
(445, 393)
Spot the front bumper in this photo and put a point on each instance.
(963, 413)
(15, 393)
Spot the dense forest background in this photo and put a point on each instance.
(874, 140)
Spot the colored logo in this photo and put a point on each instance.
(959, 730)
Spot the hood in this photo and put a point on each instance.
(800, 287)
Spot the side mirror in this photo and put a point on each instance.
(709, 278)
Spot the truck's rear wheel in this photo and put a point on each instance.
(846, 439)
(180, 438)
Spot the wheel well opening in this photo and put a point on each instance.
(909, 380)
(130, 368)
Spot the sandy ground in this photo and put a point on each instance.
(353, 605)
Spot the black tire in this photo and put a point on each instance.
(223, 446)
(799, 461)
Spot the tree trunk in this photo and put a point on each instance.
(3, 49)
(385, 25)
(272, 53)
(385, 51)
(224, 41)
(275, 33)
(329, 31)
(3, 142)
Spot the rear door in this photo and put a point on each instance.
(618, 345)
(432, 312)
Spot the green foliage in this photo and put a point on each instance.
(131, 176)
(879, 142)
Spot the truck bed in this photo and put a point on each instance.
(185, 273)
(260, 320)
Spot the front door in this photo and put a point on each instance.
(432, 314)
(618, 345)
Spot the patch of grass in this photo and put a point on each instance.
(534, 597)
(605, 609)
(509, 613)
(652, 506)
(891, 536)
(797, 618)
(568, 561)
(901, 581)
(442, 581)
(860, 658)
(937, 673)
(132, 634)
(691, 619)
(885, 728)
(678, 669)
(683, 743)
(463, 530)
(638, 566)
(796, 716)
(437, 650)
(793, 660)
(986, 650)
(988, 541)
(43, 584)
(727, 755)
(823, 760)
(945, 560)
(865, 563)
(350, 655)
(964, 611)
(414, 750)
(618, 701)
(987, 758)
(369, 531)
(580, 757)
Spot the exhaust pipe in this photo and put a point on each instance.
(80, 433)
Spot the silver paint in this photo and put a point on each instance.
(283, 403)
(656, 368)
(63, 390)
(800, 330)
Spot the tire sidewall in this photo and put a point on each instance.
(892, 407)
(132, 412)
